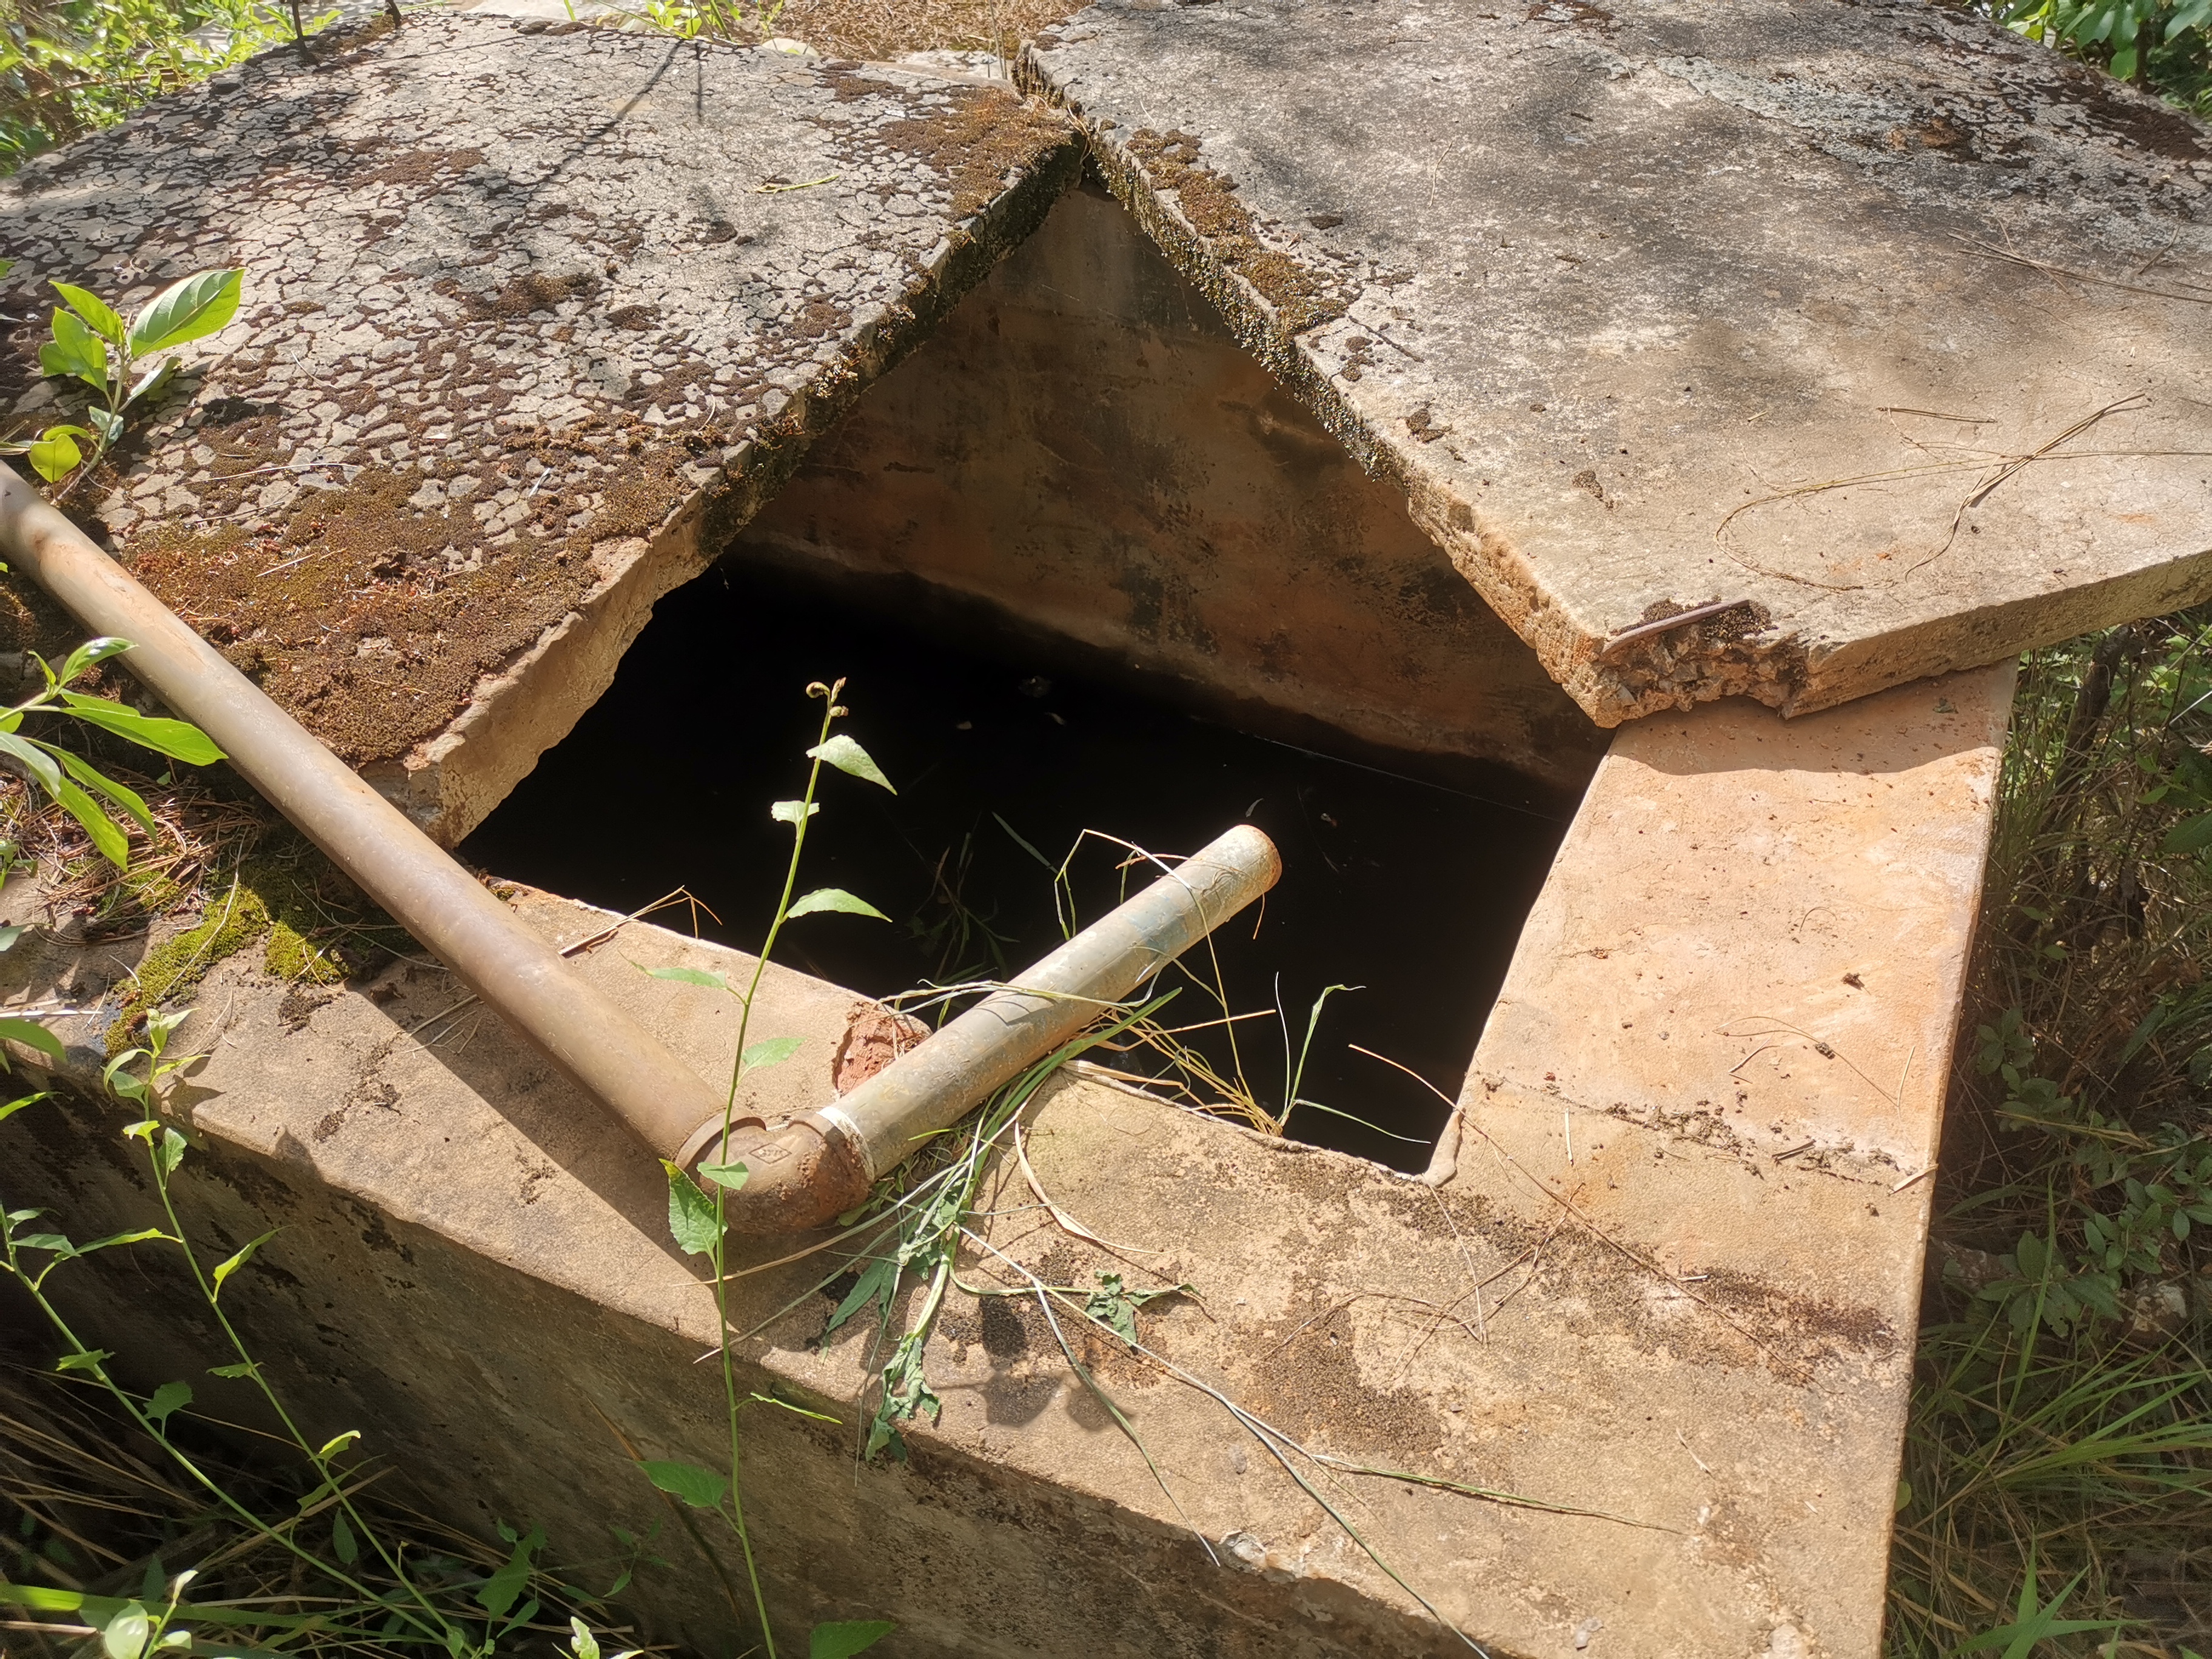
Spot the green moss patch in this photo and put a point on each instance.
(310, 924)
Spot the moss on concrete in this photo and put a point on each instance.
(307, 919)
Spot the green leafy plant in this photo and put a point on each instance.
(92, 343)
(70, 780)
(2060, 1421)
(364, 1589)
(697, 1218)
(69, 67)
(2163, 44)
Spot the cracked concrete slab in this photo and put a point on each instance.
(534, 317)
(1745, 317)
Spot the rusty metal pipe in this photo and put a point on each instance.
(806, 1172)
(489, 950)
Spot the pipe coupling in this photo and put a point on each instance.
(800, 1175)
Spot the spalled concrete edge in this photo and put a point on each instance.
(451, 783)
(1571, 649)
(1286, 305)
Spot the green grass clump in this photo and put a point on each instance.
(2058, 1465)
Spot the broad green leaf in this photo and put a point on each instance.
(90, 1359)
(244, 1368)
(691, 1214)
(139, 1235)
(847, 756)
(96, 311)
(226, 1269)
(168, 1398)
(499, 1592)
(175, 738)
(31, 1035)
(10, 1110)
(118, 1081)
(168, 1151)
(54, 1242)
(342, 1539)
(40, 765)
(11, 933)
(702, 1489)
(91, 652)
(846, 1638)
(2190, 835)
(732, 1175)
(154, 381)
(106, 835)
(190, 310)
(124, 1635)
(790, 811)
(691, 977)
(879, 1279)
(75, 352)
(770, 1051)
(124, 797)
(55, 455)
(582, 1642)
(108, 426)
(835, 898)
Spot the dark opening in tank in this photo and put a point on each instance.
(1407, 891)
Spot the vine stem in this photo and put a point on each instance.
(735, 1405)
(322, 1464)
(153, 1431)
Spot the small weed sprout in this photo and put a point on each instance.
(93, 344)
(362, 1589)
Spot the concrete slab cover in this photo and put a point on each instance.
(526, 315)
(1874, 329)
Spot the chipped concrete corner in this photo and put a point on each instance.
(1653, 311)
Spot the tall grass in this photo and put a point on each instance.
(2061, 1437)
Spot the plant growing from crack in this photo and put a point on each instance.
(91, 342)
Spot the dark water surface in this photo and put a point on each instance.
(1411, 891)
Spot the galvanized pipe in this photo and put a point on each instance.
(489, 950)
(806, 1172)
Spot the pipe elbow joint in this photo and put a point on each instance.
(800, 1175)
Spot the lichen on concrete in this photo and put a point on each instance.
(520, 303)
(1651, 308)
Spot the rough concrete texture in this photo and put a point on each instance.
(533, 321)
(1696, 1326)
(1083, 445)
(1656, 306)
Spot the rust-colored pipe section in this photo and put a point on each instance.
(805, 1173)
(516, 972)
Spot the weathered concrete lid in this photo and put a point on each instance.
(1886, 332)
(532, 316)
